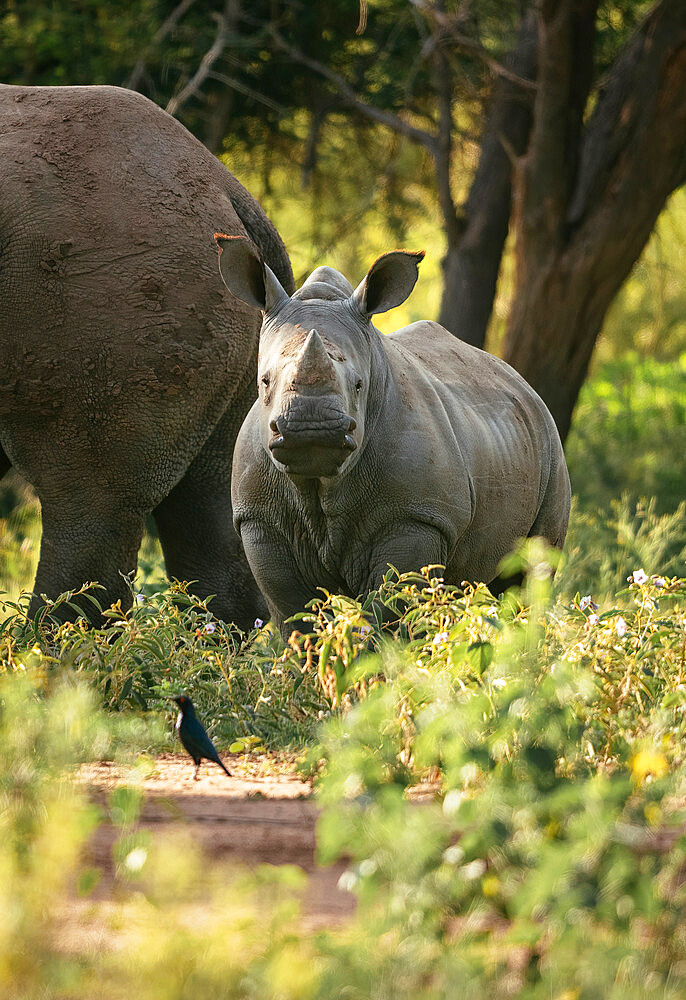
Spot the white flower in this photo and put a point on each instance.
(348, 881)
(659, 581)
(353, 786)
(451, 804)
(498, 682)
(474, 869)
(640, 576)
(210, 628)
(258, 623)
(453, 855)
(136, 858)
(620, 626)
(439, 638)
(585, 602)
(593, 619)
(140, 598)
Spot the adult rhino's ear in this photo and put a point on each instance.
(246, 275)
(388, 282)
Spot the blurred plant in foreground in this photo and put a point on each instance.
(505, 777)
(550, 858)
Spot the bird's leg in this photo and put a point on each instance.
(197, 768)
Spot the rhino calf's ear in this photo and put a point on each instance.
(245, 274)
(388, 282)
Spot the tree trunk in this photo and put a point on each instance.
(472, 260)
(584, 211)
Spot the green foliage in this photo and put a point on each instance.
(631, 650)
(550, 860)
(629, 432)
(45, 822)
(648, 317)
(166, 644)
(506, 780)
(604, 545)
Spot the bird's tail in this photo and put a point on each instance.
(222, 767)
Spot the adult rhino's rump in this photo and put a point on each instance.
(127, 368)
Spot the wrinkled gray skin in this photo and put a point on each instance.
(364, 450)
(127, 367)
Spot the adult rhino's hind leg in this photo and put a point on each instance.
(85, 543)
(5, 464)
(195, 524)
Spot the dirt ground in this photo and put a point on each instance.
(263, 813)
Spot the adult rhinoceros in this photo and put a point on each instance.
(364, 450)
(126, 370)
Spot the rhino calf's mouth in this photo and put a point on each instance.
(310, 450)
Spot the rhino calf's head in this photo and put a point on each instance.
(318, 355)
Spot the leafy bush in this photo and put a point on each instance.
(629, 427)
(165, 644)
(603, 546)
(506, 777)
(552, 861)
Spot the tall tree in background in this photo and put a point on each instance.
(577, 109)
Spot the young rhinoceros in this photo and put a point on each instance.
(364, 450)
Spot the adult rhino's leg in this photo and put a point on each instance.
(87, 541)
(195, 523)
(5, 464)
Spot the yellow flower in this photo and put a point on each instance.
(649, 764)
(490, 886)
(652, 813)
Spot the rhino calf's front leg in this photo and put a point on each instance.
(410, 547)
(276, 571)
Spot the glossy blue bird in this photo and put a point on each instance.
(192, 734)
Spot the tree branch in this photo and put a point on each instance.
(165, 28)
(206, 63)
(566, 30)
(442, 81)
(243, 88)
(640, 115)
(451, 23)
(427, 139)
(633, 157)
(471, 267)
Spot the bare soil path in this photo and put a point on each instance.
(263, 813)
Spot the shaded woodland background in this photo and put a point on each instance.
(535, 150)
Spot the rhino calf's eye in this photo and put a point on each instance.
(358, 385)
(265, 380)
